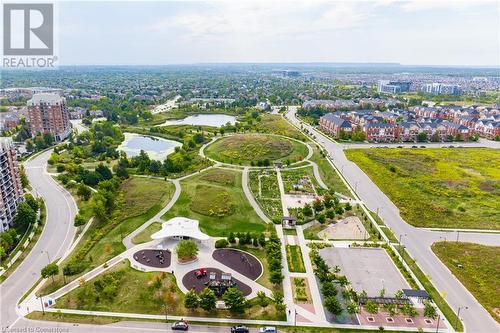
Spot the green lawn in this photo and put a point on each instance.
(247, 149)
(133, 211)
(145, 235)
(477, 267)
(275, 124)
(445, 188)
(328, 174)
(294, 259)
(220, 206)
(111, 292)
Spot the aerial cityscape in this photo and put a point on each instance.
(212, 166)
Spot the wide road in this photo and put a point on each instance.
(417, 241)
(55, 239)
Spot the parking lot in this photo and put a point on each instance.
(369, 269)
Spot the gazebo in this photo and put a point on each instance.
(180, 228)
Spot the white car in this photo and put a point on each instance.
(268, 329)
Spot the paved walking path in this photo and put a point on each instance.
(250, 198)
(127, 241)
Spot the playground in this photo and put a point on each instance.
(214, 279)
(240, 261)
(154, 258)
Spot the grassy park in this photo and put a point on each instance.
(477, 267)
(250, 149)
(215, 198)
(442, 188)
(100, 243)
(328, 174)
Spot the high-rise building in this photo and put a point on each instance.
(441, 89)
(47, 113)
(393, 87)
(11, 190)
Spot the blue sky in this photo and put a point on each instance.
(153, 33)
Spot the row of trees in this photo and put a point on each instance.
(274, 258)
(26, 216)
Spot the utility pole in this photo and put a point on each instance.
(458, 314)
(437, 326)
(41, 303)
(458, 234)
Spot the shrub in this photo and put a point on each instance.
(328, 289)
(371, 307)
(79, 220)
(221, 243)
(186, 250)
(332, 304)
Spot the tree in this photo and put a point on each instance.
(234, 300)
(84, 192)
(186, 250)
(31, 201)
(191, 300)
(332, 304)
(422, 137)
(307, 210)
(399, 294)
(321, 218)
(276, 277)
(429, 310)
(382, 292)
(231, 239)
(25, 215)
(262, 299)
(50, 270)
(207, 299)
(328, 289)
(409, 310)
(278, 299)
(352, 307)
(104, 171)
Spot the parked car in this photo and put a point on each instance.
(180, 326)
(239, 329)
(422, 146)
(400, 146)
(414, 146)
(199, 273)
(268, 329)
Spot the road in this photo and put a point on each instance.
(417, 241)
(56, 238)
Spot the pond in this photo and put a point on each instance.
(215, 120)
(157, 148)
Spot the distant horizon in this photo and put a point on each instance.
(409, 33)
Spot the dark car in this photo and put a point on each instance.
(239, 329)
(180, 326)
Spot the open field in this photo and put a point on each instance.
(445, 188)
(328, 174)
(275, 124)
(215, 198)
(477, 267)
(249, 149)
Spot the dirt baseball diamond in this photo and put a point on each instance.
(242, 262)
(190, 281)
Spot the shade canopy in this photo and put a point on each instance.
(180, 227)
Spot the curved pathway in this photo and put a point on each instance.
(250, 198)
(56, 238)
(417, 241)
(127, 241)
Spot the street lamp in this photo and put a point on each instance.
(295, 318)
(166, 315)
(458, 234)
(400, 242)
(444, 238)
(458, 313)
(48, 256)
(41, 303)
(356, 186)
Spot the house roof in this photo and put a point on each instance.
(336, 120)
(180, 227)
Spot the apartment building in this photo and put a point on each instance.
(393, 87)
(11, 190)
(47, 113)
